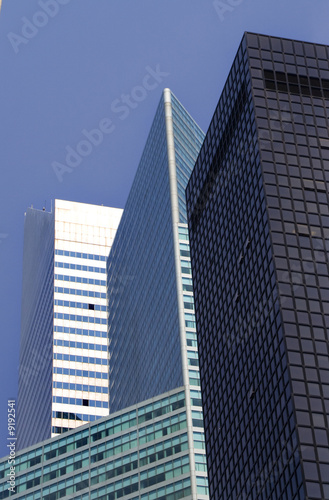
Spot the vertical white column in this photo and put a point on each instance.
(180, 299)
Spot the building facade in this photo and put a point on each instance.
(140, 453)
(259, 225)
(152, 340)
(151, 320)
(64, 346)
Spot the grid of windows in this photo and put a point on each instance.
(63, 325)
(248, 222)
(112, 458)
(296, 175)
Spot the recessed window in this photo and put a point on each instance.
(85, 402)
(91, 307)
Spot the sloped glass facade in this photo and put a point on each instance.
(143, 316)
(258, 222)
(144, 329)
(152, 336)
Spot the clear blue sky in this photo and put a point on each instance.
(66, 65)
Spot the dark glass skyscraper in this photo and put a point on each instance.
(258, 217)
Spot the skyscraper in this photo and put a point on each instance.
(63, 376)
(259, 226)
(151, 310)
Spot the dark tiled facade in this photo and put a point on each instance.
(259, 234)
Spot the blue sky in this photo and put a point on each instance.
(71, 66)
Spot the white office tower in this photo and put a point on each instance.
(63, 376)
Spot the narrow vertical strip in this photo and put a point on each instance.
(180, 300)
